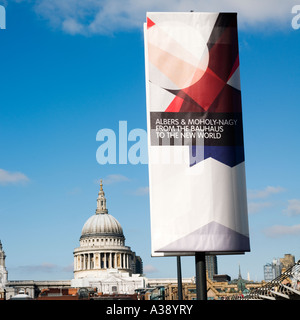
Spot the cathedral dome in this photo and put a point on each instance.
(102, 223)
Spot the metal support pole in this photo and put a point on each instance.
(201, 287)
(179, 278)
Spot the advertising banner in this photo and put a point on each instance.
(196, 160)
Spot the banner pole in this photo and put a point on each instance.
(179, 278)
(201, 287)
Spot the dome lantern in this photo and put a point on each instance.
(101, 201)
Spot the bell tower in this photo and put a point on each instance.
(3, 271)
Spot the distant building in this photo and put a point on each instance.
(279, 265)
(240, 283)
(211, 265)
(288, 261)
(221, 278)
(268, 272)
(272, 270)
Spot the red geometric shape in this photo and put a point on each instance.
(205, 91)
(150, 23)
(175, 105)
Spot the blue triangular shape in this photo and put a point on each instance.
(229, 155)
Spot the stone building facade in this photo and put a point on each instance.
(287, 261)
(3, 272)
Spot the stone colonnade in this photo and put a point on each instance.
(102, 260)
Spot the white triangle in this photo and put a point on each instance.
(234, 80)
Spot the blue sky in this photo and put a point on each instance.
(71, 68)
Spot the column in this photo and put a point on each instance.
(84, 265)
(116, 260)
(119, 256)
(89, 262)
(127, 261)
(98, 266)
(96, 261)
(104, 253)
(110, 260)
(92, 262)
(123, 260)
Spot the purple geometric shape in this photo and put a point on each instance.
(213, 237)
